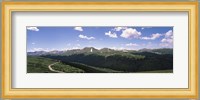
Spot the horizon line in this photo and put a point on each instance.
(97, 49)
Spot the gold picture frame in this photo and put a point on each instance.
(9, 92)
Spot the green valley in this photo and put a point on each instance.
(91, 60)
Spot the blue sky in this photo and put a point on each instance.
(67, 38)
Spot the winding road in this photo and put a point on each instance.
(50, 68)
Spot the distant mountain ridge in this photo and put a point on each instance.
(103, 50)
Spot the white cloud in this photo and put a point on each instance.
(153, 36)
(33, 43)
(38, 49)
(121, 48)
(130, 33)
(64, 49)
(71, 48)
(169, 34)
(74, 48)
(32, 28)
(168, 37)
(119, 28)
(142, 28)
(164, 44)
(110, 34)
(131, 44)
(114, 48)
(85, 37)
(167, 41)
(78, 28)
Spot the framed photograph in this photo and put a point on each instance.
(100, 50)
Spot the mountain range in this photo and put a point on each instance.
(94, 50)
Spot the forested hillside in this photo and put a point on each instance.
(111, 61)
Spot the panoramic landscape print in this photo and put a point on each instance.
(99, 49)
